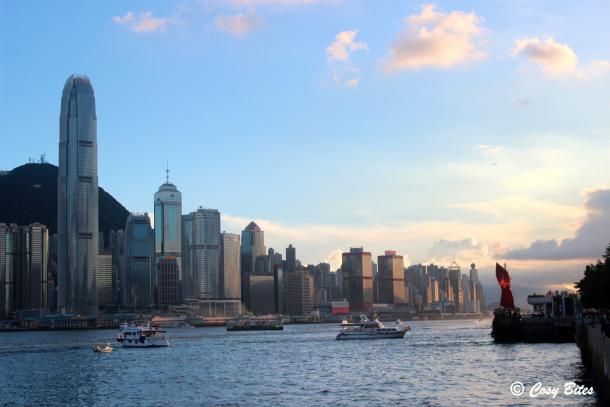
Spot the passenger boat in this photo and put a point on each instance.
(170, 322)
(255, 324)
(367, 329)
(142, 337)
(102, 347)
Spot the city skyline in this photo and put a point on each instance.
(415, 171)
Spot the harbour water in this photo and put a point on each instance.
(437, 363)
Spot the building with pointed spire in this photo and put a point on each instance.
(168, 243)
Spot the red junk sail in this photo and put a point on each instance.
(506, 300)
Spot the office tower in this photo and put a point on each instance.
(138, 269)
(455, 276)
(77, 200)
(52, 274)
(356, 267)
(263, 265)
(291, 259)
(474, 274)
(390, 278)
(252, 246)
(104, 279)
(168, 236)
(201, 254)
(8, 266)
(262, 294)
(116, 243)
(230, 266)
(168, 274)
(24, 255)
(299, 293)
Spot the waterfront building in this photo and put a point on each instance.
(116, 244)
(104, 279)
(252, 246)
(168, 237)
(24, 254)
(138, 271)
(77, 199)
(52, 274)
(230, 266)
(390, 278)
(201, 254)
(299, 293)
(356, 268)
(262, 294)
(291, 259)
(168, 274)
(474, 274)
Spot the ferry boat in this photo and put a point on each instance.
(141, 337)
(102, 347)
(170, 322)
(255, 324)
(367, 329)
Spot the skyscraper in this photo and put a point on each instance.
(201, 254)
(104, 279)
(356, 268)
(252, 246)
(168, 239)
(77, 200)
(291, 259)
(391, 278)
(299, 293)
(138, 268)
(230, 266)
(24, 253)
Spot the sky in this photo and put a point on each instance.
(475, 131)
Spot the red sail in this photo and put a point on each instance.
(506, 300)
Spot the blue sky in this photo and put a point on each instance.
(386, 139)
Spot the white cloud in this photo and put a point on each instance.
(555, 58)
(338, 54)
(334, 258)
(490, 150)
(238, 24)
(437, 39)
(345, 43)
(143, 22)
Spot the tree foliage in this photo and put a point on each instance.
(594, 288)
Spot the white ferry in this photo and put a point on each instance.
(170, 322)
(248, 323)
(367, 329)
(141, 337)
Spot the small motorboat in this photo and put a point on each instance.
(102, 347)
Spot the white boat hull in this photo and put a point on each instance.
(148, 343)
(371, 335)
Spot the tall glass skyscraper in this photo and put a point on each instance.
(168, 237)
(137, 279)
(252, 246)
(77, 205)
(201, 254)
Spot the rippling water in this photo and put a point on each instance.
(438, 363)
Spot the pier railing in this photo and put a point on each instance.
(599, 347)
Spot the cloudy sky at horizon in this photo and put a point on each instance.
(470, 130)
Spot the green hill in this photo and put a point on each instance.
(29, 194)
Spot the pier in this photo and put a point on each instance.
(594, 344)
